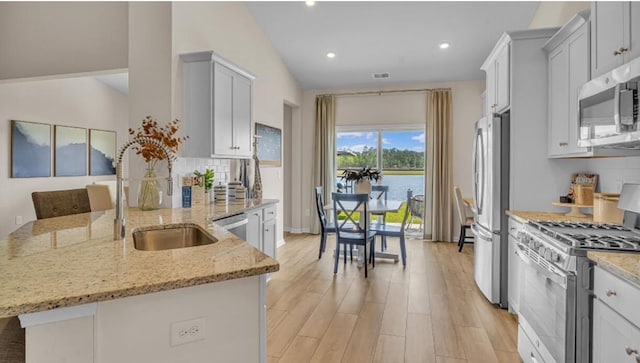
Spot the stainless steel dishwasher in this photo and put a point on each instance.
(236, 224)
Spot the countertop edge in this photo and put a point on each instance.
(618, 263)
(70, 301)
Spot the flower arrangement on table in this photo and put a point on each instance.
(149, 196)
(362, 178)
(356, 175)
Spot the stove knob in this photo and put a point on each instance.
(554, 256)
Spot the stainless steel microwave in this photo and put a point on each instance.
(609, 109)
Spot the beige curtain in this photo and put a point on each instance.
(438, 168)
(325, 150)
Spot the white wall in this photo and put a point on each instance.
(82, 102)
(615, 171)
(556, 13)
(53, 38)
(230, 30)
(398, 108)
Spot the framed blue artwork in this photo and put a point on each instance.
(269, 145)
(30, 149)
(102, 152)
(70, 157)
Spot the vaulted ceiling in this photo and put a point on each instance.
(399, 38)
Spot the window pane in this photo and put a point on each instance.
(356, 150)
(403, 163)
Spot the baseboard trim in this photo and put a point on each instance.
(297, 230)
(280, 243)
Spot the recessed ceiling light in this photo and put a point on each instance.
(444, 45)
(331, 55)
(310, 2)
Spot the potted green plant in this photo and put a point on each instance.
(361, 178)
(208, 181)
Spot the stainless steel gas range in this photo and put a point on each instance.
(556, 281)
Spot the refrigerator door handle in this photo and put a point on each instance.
(478, 171)
(481, 232)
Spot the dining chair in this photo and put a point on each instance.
(349, 230)
(417, 209)
(465, 219)
(58, 203)
(325, 226)
(388, 230)
(380, 192)
(99, 197)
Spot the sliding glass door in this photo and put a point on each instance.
(398, 154)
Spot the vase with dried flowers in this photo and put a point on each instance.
(150, 194)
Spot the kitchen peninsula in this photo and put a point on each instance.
(87, 298)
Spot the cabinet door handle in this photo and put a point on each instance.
(563, 144)
(620, 51)
(494, 105)
(631, 351)
(611, 292)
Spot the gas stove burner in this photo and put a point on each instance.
(587, 235)
(583, 225)
(611, 243)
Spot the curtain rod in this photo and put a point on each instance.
(381, 92)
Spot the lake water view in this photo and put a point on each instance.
(398, 185)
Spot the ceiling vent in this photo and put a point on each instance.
(381, 75)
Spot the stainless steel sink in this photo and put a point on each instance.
(167, 238)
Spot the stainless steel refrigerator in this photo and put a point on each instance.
(491, 200)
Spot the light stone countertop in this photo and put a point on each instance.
(624, 265)
(73, 260)
(524, 216)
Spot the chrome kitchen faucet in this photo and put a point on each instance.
(119, 222)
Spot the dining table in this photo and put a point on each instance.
(374, 206)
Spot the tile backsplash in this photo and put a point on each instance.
(186, 166)
(613, 172)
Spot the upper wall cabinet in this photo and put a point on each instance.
(217, 107)
(497, 69)
(568, 69)
(615, 34)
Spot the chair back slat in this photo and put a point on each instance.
(320, 207)
(462, 213)
(381, 190)
(407, 210)
(350, 205)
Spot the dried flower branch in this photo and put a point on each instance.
(165, 134)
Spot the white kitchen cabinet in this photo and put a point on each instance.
(217, 107)
(261, 229)
(615, 34)
(616, 335)
(269, 230)
(514, 267)
(568, 70)
(254, 228)
(502, 79)
(497, 68)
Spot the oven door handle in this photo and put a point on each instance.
(553, 275)
(235, 225)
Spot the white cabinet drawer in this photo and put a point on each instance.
(620, 295)
(270, 213)
(614, 338)
(526, 348)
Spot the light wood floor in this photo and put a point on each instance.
(430, 311)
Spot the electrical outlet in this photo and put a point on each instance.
(187, 331)
(19, 220)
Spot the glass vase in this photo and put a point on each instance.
(149, 194)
